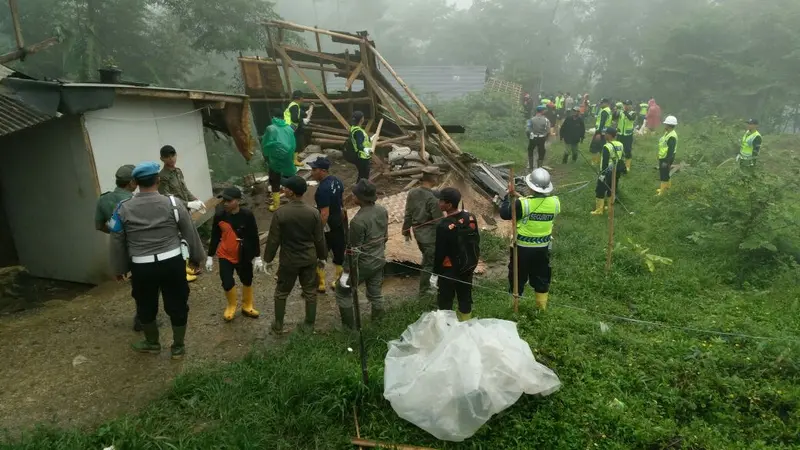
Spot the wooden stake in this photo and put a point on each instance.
(385, 445)
(321, 71)
(357, 313)
(514, 248)
(358, 429)
(611, 217)
(323, 98)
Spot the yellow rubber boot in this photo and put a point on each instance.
(276, 202)
(247, 302)
(541, 301)
(628, 164)
(598, 210)
(230, 310)
(595, 159)
(321, 288)
(189, 270)
(297, 161)
(339, 271)
(663, 189)
(190, 278)
(463, 317)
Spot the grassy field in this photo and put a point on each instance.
(625, 385)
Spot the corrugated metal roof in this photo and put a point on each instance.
(16, 115)
(445, 82)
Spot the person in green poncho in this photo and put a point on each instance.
(278, 146)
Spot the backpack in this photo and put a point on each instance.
(468, 238)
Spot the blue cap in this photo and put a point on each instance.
(321, 163)
(146, 169)
(611, 130)
(541, 108)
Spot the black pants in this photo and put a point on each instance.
(275, 181)
(244, 269)
(452, 285)
(363, 168)
(167, 277)
(536, 145)
(627, 144)
(603, 188)
(534, 268)
(300, 139)
(597, 144)
(335, 240)
(664, 166)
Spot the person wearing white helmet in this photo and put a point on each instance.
(667, 147)
(535, 216)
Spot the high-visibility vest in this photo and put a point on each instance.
(535, 227)
(559, 102)
(545, 101)
(624, 125)
(287, 114)
(643, 109)
(747, 144)
(361, 153)
(615, 151)
(600, 116)
(663, 149)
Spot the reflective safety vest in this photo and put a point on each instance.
(287, 114)
(663, 149)
(559, 102)
(747, 144)
(624, 125)
(600, 116)
(535, 227)
(545, 101)
(643, 109)
(361, 153)
(615, 151)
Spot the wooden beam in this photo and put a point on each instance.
(285, 67)
(349, 91)
(336, 101)
(422, 141)
(316, 127)
(321, 72)
(23, 52)
(296, 27)
(320, 68)
(365, 60)
(323, 56)
(322, 97)
(12, 4)
(352, 78)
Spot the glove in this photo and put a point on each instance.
(258, 265)
(197, 205)
(306, 121)
(664, 165)
(209, 264)
(344, 279)
(602, 177)
(435, 281)
(368, 150)
(321, 263)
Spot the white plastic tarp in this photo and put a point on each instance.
(450, 377)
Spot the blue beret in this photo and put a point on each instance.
(146, 169)
(541, 108)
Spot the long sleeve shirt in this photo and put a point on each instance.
(149, 228)
(172, 183)
(505, 208)
(422, 214)
(604, 122)
(447, 245)
(572, 130)
(756, 145)
(671, 143)
(234, 236)
(296, 230)
(369, 231)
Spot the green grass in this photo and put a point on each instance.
(633, 386)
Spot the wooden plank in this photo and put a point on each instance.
(336, 101)
(322, 97)
(12, 4)
(288, 79)
(352, 78)
(503, 164)
(321, 72)
(87, 142)
(321, 67)
(211, 205)
(411, 184)
(501, 185)
(422, 143)
(296, 27)
(365, 60)
(321, 56)
(22, 52)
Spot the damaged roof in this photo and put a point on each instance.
(444, 82)
(15, 114)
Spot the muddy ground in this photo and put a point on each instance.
(66, 361)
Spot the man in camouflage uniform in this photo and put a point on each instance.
(422, 215)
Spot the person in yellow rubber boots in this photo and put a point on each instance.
(330, 203)
(667, 147)
(278, 146)
(535, 216)
(234, 240)
(613, 151)
(598, 141)
(294, 116)
(626, 123)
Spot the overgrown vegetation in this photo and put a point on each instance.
(625, 385)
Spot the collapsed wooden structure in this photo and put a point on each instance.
(268, 82)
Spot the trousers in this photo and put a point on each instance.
(664, 166)
(167, 277)
(627, 144)
(226, 270)
(336, 242)
(453, 285)
(603, 188)
(533, 267)
(372, 278)
(362, 165)
(283, 287)
(428, 251)
(536, 145)
(570, 148)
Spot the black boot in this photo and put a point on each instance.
(565, 159)
(348, 318)
(137, 324)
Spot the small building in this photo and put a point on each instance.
(61, 144)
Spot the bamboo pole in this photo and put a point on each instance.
(324, 129)
(385, 445)
(358, 428)
(514, 248)
(12, 4)
(321, 71)
(422, 140)
(322, 97)
(327, 141)
(611, 217)
(296, 27)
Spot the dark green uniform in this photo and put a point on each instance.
(172, 183)
(296, 229)
(422, 215)
(369, 231)
(106, 204)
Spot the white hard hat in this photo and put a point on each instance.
(539, 181)
(671, 120)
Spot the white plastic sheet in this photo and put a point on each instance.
(449, 377)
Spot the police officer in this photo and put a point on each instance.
(625, 125)
(751, 145)
(358, 149)
(292, 115)
(535, 215)
(613, 151)
(330, 203)
(369, 231)
(108, 202)
(155, 237)
(603, 121)
(422, 215)
(667, 147)
(296, 229)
